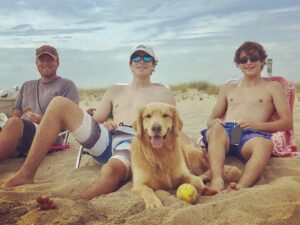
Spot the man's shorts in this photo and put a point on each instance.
(26, 140)
(246, 136)
(103, 145)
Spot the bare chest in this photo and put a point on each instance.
(249, 97)
(132, 101)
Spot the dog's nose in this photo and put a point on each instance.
(156, 128)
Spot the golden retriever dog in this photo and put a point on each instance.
(161, 158)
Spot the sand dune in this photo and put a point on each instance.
(275, 199)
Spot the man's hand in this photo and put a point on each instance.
(213, 122)
(110, 125)
(34, 117)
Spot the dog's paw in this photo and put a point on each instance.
(197, 182)
(232, 173)
(153, 202)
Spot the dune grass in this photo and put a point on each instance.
(183, 87)
(298, 87)
(203, 86)
(96, 93)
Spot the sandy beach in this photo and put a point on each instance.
(274, 199)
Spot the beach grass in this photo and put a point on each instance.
(96, 93)
(203, 86)
(298, 87)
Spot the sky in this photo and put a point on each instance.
(194, 40)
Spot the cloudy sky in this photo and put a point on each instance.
(193, 39)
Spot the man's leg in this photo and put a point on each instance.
(218, 142)
(10, 137)
(111, 175)
(257, 151)
(61, 113)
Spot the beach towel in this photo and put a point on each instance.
(284, 141)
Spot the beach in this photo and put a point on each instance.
(274, 199)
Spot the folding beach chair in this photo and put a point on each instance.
(64, 135)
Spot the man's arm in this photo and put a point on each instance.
(285, 120)
(104, 108)
(220, 107)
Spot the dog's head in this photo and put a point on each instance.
(158, 121)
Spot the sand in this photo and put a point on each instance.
(274, 199)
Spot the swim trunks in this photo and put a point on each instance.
(247, 134)
(103, 145)
(26, 140)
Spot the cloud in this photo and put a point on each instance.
(29, 31)
(194, 39)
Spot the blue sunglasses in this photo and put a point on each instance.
(146, 58)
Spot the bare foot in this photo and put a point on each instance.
(45, 203)
(234, 186)
(216, 186)
(209, 192)
(17, 180)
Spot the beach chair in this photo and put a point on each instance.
(64, 135)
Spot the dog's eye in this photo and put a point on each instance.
(148, 116)
(165, 115)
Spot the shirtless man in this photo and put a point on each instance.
(248, 104)
(123, 101)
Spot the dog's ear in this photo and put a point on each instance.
(177, 122)
(138, 124)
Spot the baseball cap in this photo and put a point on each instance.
(46, 49)
(146, 49)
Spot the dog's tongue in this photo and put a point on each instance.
(157, 142)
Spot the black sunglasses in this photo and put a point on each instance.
(252, 58)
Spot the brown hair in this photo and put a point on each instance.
(250, 48)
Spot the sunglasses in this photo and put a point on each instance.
(252, 58)
(146, 58)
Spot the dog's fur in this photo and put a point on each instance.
(161, 158)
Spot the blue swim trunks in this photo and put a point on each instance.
(246, 135)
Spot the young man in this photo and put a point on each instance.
(31, 103)
(248, 104)
(123, 101)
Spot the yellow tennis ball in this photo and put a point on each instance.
(187, 192)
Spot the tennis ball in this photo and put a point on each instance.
(187, 192)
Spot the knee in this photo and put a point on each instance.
(58, 102)
(15, 122)
(59, 106)
(268, 147)
(217, 132)
(263, 148)
(113, 168)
